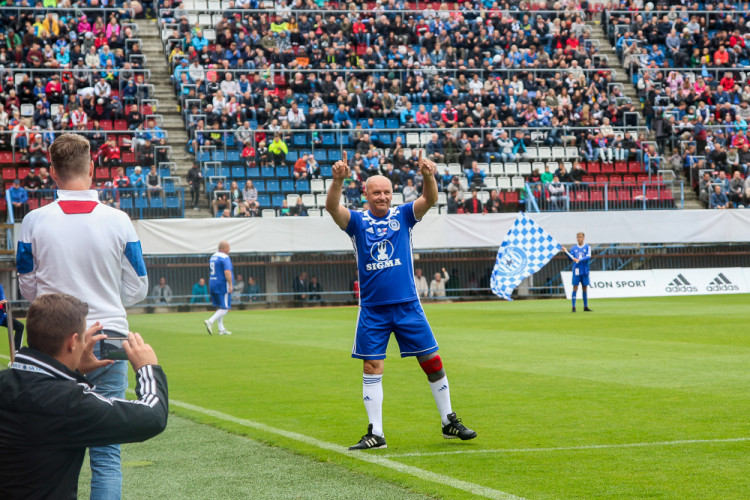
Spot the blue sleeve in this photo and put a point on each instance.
(2, 295)
(24, 258)
(354, 223)
(133, 253)
(587, 254)
(228, 264)
(407, 214)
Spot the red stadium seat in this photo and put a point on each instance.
(147, 110)
(511, 197)
(623, 195)
(628, 179)
(6, 157)
(121, 125)
(608, 168)
(23, 172)
(128, 157)
(33, 203)
(9, 173)
(621, 167)
(602, 179)
(635, 167)
(106, 124)
(615, 179)
(596, 196)
(588, 179)
(3, 205)
(593, 167)
(101, 173)
(581, 197)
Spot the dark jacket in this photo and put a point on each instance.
(49, 415)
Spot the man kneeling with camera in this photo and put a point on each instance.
(49, 413)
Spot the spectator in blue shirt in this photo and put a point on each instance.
(341, 117)
(181, 68)
(199, 294)
(199, 41)
(719, 199)
(138, 181)
(19, 198)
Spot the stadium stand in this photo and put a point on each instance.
(80, 69)
(690, 69)
(376, 83)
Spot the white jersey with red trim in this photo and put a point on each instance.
(79, 246)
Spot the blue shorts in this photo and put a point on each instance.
(221, 300)
(406, 320)
(583, 279)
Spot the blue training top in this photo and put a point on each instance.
(382, 247)
(583, 253)
(219, 263)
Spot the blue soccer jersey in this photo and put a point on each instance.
(219, 263)
(382, 247)
(583, 254)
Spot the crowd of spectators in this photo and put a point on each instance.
(690, 71)
(486, 78)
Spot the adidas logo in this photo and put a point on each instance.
(367, 398)
(680, 285)
(721, 284)
(443, 388)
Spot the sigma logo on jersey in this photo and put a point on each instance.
(394, 224)
(680, 285)
(381, 252)
(721, 284)
(512, 262)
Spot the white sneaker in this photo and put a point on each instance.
(209, 326)
(225, 332)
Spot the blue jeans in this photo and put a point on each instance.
(106, 474)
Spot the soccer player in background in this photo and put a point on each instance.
(220, 286)
(389, 301)
(580, 255)
(81, 247)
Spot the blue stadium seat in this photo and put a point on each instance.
(129, 171)
(229, 139)
(169, 186)
(157, 202)
(391, 123)
(126, 202)
(287, 186)
(386, 138)
(238, 172)
(204, 156)
(141, 202)
(253, 124)
(346, 139)
(328, 139)
(378, 123)
(173, 202)
(224, 171)
(233, 156)
(259, 185)
(277, 200)
(292, 156)
(321, 155)
(334, 155)
(253, 172)
(300, 140)
(164, 172)
(264, 201)
(282, 172)
(303, 186)
(272, 186)
(326, 171)
(267, 172)
(219, 156)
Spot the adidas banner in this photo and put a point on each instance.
(664, 282)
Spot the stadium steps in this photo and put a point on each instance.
(168, 106)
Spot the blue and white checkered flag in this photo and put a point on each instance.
(525, 250)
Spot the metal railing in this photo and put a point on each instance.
(166, 201)
(607, 196)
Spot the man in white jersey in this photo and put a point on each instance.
(220, 286)
(89, 250)
(382, 239)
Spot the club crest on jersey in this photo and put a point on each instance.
(394, 224)
(381, 252)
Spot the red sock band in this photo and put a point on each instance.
(432, 365)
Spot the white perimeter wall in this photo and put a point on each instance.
(320, 234)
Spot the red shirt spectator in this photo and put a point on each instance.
(449, 114)
(721, 57)
(727, 83)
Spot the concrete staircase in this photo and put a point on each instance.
(168, 105)
(629, 90)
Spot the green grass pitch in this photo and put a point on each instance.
(643, 398)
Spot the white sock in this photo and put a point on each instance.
(442, 394)
(372, 395)
(218, 315)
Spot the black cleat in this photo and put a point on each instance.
(370, 441)
(573, 310)
(455, 429)
(586, 309)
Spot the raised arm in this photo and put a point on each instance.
(339, 212)
(429, 190)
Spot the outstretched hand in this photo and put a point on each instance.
(341, 169)
(426, 166)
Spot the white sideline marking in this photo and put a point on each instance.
(363, 456)
(573, 448)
